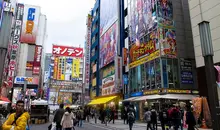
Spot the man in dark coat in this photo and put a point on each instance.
(58, 117)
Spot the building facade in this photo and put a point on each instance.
(203, 10)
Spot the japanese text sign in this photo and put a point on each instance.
(67, 51)
(37, 56)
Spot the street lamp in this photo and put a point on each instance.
(207, 52)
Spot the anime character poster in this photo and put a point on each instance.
(65, 98)
(108, 14)
(165, 13)
(168, 42)
(108, 46)
(142, 18)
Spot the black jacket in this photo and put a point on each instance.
(58, 116)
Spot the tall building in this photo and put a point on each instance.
(66, 75)
(94, 52)
(203, 10)
(28, 52)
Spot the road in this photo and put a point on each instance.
(85, 127)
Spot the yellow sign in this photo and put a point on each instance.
(145, 59)
(94, 82)
(63, 68)
(178, 91)
(55, 68)
(151, 92)
(76, 65)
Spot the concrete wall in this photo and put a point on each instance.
(205, 10)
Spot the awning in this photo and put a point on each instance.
(179, 96)
(102, 100)
(148, 97)
(129, 99)
(4, 99)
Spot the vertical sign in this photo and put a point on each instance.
(59, 68)
(55, 68)
(15, 44)
(76, 64)
(30, 24)
(186, 71)
(37, 60)
(87, 48)
(63, 68)
(68, 69)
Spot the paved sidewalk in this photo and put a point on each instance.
(119, 125)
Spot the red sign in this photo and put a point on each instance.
(37, 56)
(36, 70)
(29, 65)
(67, 51)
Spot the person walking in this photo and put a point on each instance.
(190, 119)
(112, 115)
(80, 116)
(147, 118)
(154, 118)
(131, 119)
(58, 117)
(17, 120)
(125, 115)
(163, 115)
(67, 120)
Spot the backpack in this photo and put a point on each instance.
(147, 116)
(131, 117)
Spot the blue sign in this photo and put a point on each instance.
(125, 79)
(137, 94)
(31, 14)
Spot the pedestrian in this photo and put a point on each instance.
(80, 116)
(125, 115)
(147, 118)
(154, 118)
(163, 116)
(58, 117)
(131, 119)
(112, 115)
(190, 119)
(17, 120)
(67, 120)
(175, 113)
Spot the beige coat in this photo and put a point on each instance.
(67, 120)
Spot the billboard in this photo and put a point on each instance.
(59, 68)
(30, 80)
(87, 48)
(108, 14)
(67, 51)
(65, 97)
(63, 63)
(108, 46)
(76, 66)
(15, 45)
(68, 68)
(108, 85)
(30, 24)
(37, 60)
(147, 50)
(142, 18)
(52, 97)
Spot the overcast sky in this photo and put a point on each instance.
(66, 20)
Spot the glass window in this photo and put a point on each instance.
(139, 78)
(175, 73)
(143, 76)
(158, 73)
(147, 71)
(152, 74)
(170, 73)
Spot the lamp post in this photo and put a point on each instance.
(207, 52)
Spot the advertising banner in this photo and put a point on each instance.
(186, 71)
(46, 76)
(52, 97)
(55, 70)
(168, 44)
(37, 60)
(108, 71)
(68, 68)
(142, 18)
(125, 56)
(1, 11)
(15, 45)
(108, 46)
(30, 24)
(76, 65)
(108, 85)
(87, 48)
(29, 65)
(59, 50)
(59, 69)
(108, 14)
(63, 69)
(65, 98)
(30, 80)
(146, 51)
